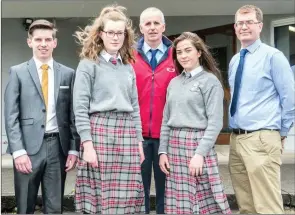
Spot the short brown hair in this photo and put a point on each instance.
(250, 8)
(41, 24)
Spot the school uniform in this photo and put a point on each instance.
(193, 117)
(107, 112)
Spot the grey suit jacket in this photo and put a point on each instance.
(25, 113)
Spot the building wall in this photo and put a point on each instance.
(15, 49)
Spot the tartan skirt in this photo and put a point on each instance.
(186, 194)
(115, 187)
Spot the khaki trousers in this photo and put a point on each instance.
(254, 165)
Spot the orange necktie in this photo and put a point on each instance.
(44, 86)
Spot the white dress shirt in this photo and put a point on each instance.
(51, 123)
(108, 57)
(195, 71)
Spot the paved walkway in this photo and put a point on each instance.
(287, 211)
(287, 179)
(288, 174)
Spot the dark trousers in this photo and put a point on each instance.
(150, 147)
(48, 167)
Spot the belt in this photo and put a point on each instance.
(241, 131)
(48, 135)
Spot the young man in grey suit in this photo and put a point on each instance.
(39, 123)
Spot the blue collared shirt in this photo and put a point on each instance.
(267, 91)
(161, 51)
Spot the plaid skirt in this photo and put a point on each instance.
(115, 187)
(186, 194)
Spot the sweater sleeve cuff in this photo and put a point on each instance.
(201, 151)
(162, 153)
(163, 149)
(139, 136)
(85, 135)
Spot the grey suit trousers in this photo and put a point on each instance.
(48, 167)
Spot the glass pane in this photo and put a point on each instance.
(285, 41)
(284, 38)
(221, 48)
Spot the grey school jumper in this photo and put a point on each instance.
(195, 102)
(103, 87)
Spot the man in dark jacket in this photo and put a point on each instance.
(154, 69)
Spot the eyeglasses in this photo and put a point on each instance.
(240, 24)
(111, 34)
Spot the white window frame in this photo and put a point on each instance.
(278, 23)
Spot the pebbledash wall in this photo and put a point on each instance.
(15, 49)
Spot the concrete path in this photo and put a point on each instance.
(287, 176)
(288, 173)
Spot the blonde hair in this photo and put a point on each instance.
(91, 42)
(151, 10)
(248, 9)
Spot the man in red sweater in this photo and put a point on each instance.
(154, 70)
